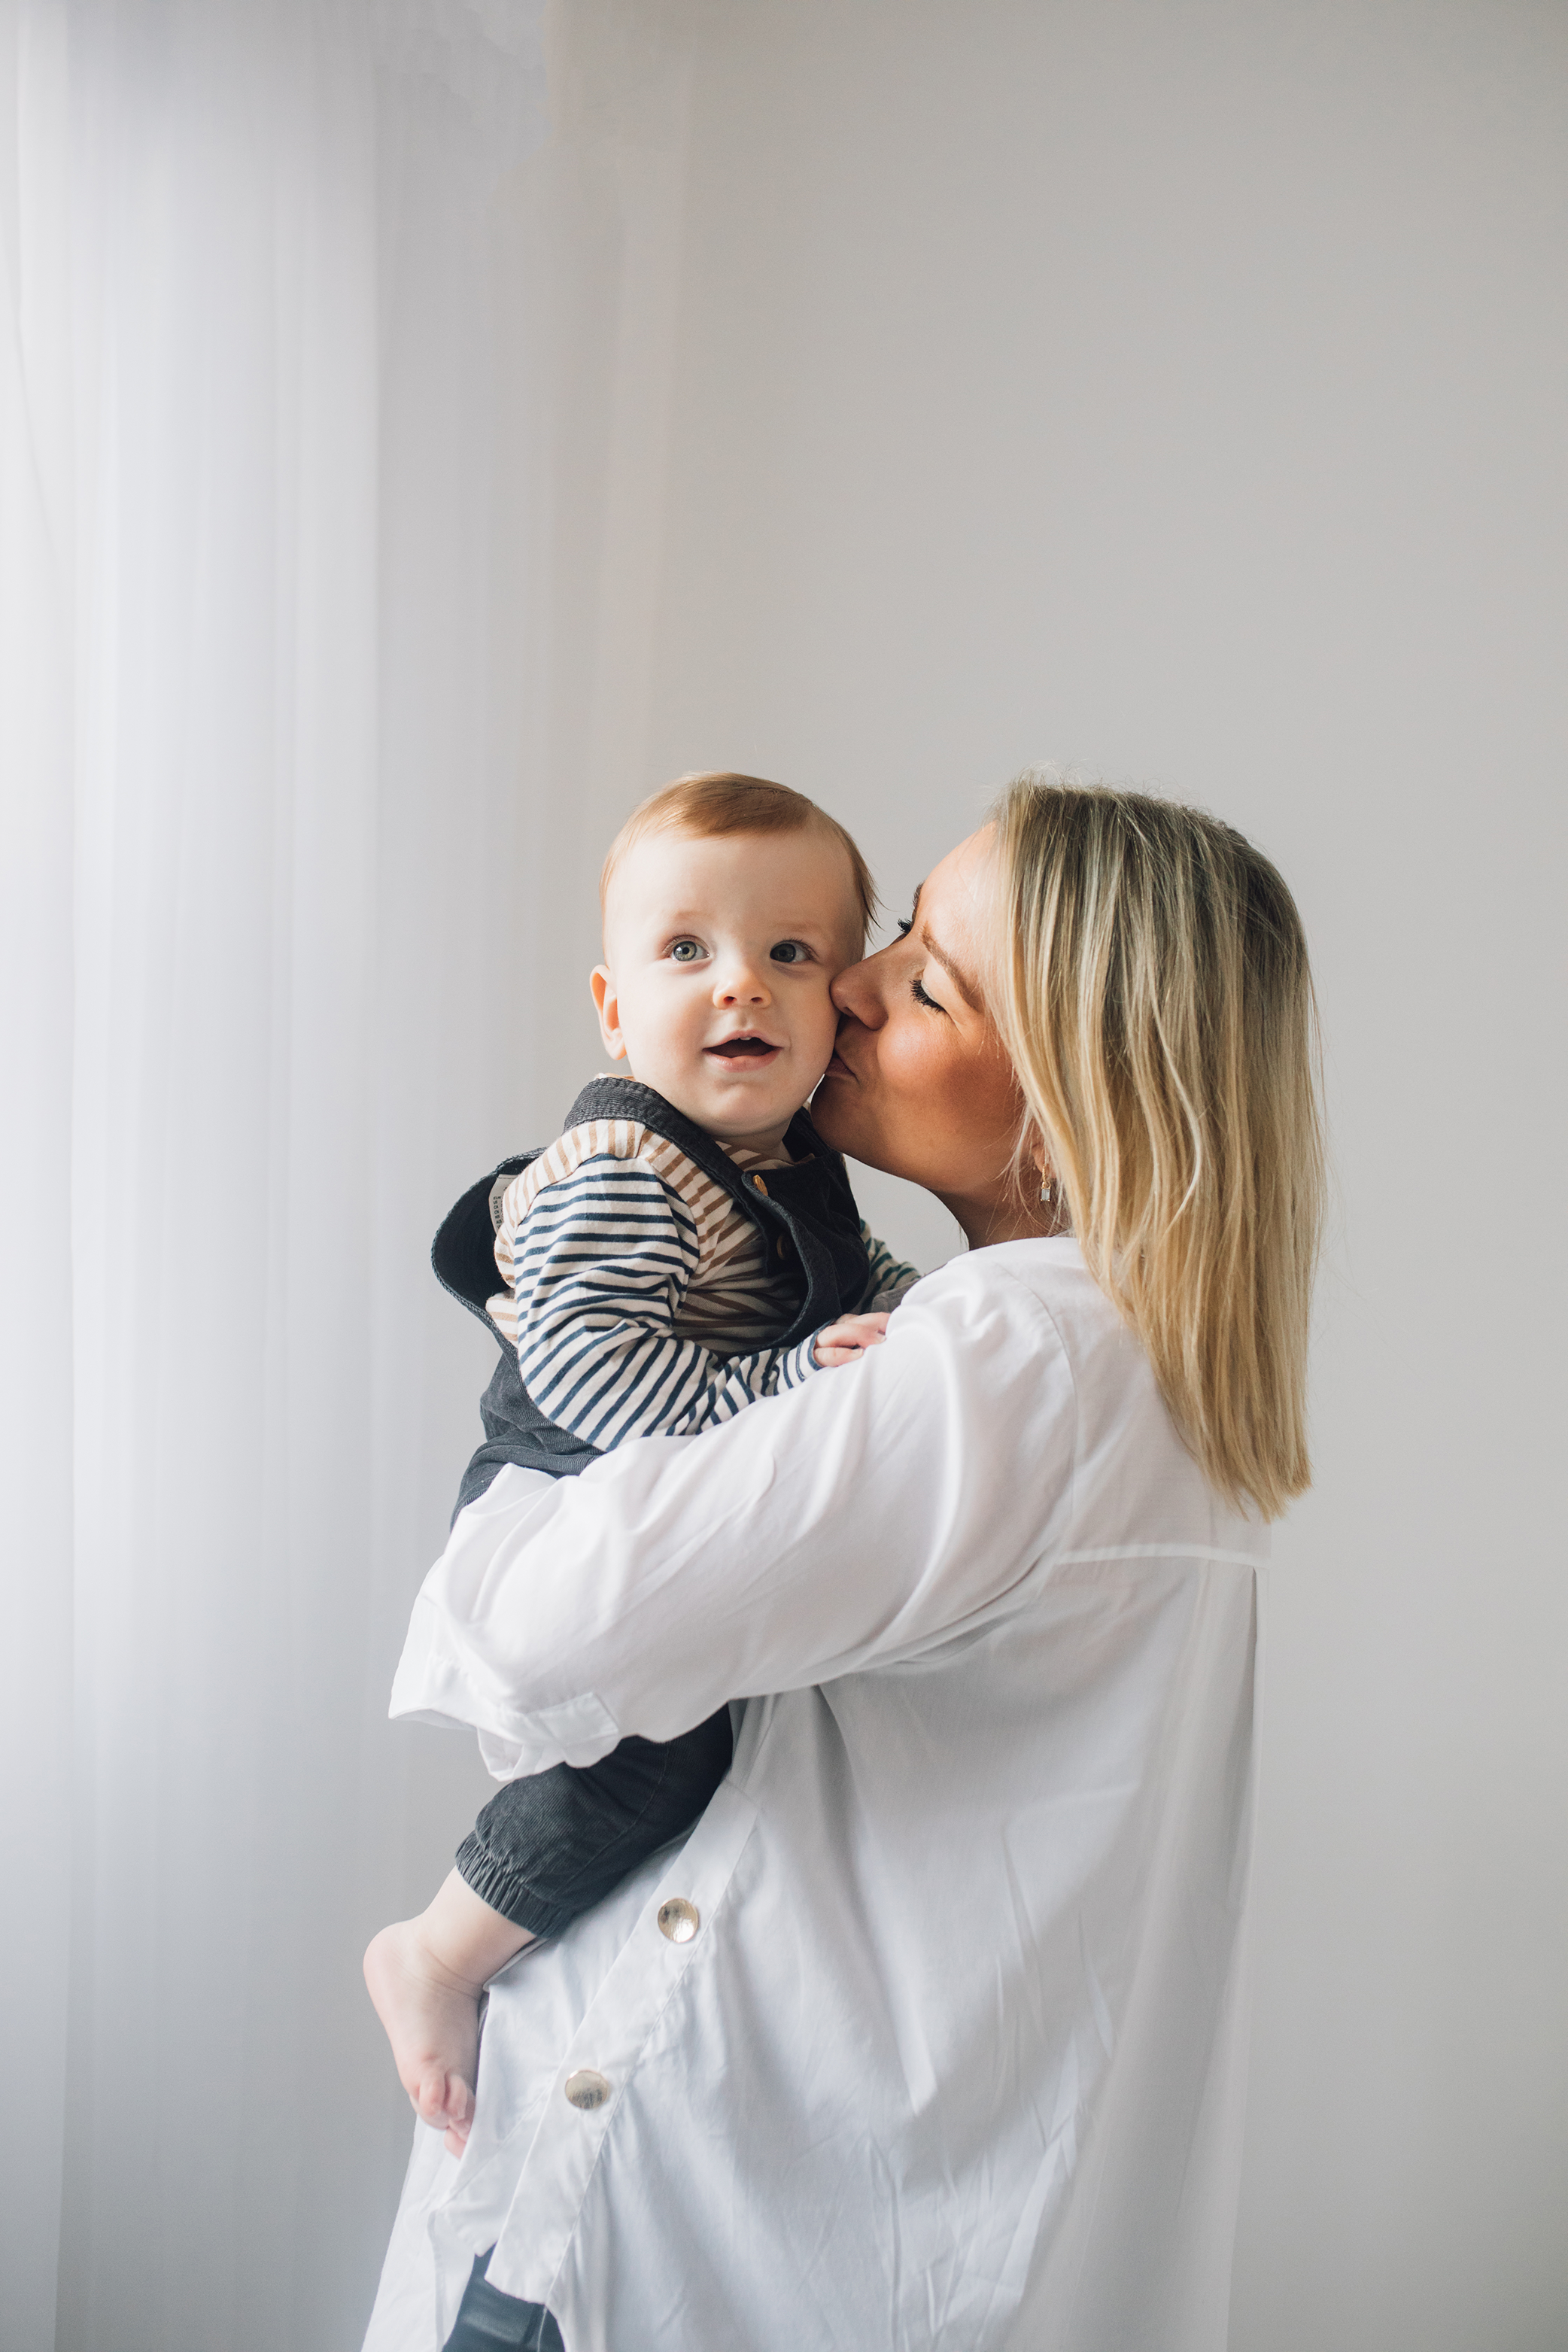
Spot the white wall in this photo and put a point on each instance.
(1178, 389)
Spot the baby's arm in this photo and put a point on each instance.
(601, 1261)
(890, 1276)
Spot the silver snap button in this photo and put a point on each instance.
(678, 1920)
(587, 2090)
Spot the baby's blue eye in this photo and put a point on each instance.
(789, 951)
(686, 951)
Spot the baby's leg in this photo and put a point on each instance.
(542, 1851)
(549, 1846)
(426, 1975)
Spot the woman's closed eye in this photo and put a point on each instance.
(916, 990)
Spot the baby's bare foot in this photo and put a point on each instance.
(426, 1975)
(432, 2020)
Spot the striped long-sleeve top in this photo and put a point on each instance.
(639, 1298)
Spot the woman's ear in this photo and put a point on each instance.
(607, 1005)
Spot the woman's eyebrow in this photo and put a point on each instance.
(955, 971)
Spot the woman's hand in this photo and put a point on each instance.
(846, 1342)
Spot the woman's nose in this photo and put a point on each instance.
(856, 992)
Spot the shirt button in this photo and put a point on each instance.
(782, 1252)
(587, 2090)
(760, 1186)
(678, 1920)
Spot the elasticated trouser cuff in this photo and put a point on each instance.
(505, 1888)
(549, 1846)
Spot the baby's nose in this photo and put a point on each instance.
(740, 983)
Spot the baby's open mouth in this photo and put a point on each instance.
(742, 1049)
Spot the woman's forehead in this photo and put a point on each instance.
(955, 892)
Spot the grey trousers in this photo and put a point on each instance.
(553, 1844)
(489, 2321)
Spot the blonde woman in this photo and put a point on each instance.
(930, 2032)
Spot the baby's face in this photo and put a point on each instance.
(719, 954)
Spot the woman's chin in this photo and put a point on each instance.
(837, 1114)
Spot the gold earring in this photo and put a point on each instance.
(1048, 1188)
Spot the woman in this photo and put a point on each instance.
(930, 2034)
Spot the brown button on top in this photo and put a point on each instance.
(760, 1186)
(586, 2089)
(782, 1245)
(678, 1920)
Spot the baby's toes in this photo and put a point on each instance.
(459, 2114)
(430, 2094)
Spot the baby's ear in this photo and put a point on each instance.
(607, 1004)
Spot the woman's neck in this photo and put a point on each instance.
(1003, 1215)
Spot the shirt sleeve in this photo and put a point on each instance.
(855, 1521)
(889, 1278)
(601, 1263)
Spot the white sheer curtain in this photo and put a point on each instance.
(316, 593)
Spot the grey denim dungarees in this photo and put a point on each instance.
(552, 1845)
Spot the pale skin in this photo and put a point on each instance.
(720, 956)
(919, 1083)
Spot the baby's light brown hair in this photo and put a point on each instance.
(719, 802)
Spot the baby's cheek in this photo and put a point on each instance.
(818, 1025)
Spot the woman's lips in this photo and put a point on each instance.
(837, 1067)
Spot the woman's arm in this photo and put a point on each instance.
(854, 1521)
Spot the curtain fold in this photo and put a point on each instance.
(36, 994)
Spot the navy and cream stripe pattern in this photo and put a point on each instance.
(639, 1298)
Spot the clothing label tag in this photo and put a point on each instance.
(498, 1190)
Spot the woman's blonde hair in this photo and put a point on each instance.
(1154, 996)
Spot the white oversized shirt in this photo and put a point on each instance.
(954, 2059)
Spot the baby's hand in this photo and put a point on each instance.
(846, 1342)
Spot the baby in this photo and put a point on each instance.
(687, 1246)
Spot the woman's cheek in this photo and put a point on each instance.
(923, 1067)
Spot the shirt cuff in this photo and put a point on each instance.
(432, 1685)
